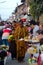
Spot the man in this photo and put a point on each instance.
(34, 27)
(20, 32)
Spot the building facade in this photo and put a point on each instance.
(21, 10)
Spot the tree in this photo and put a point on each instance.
(36, 8)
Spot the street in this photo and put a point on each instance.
(15, 62)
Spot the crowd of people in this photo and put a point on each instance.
(12, 32)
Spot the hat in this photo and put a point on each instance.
(23, 19)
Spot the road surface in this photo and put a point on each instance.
(15, 62)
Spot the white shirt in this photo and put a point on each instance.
(36, 28)
(5, 35)
(42, 56)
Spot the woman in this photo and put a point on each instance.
(12, 47)
(6, 33)
(41, 26)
